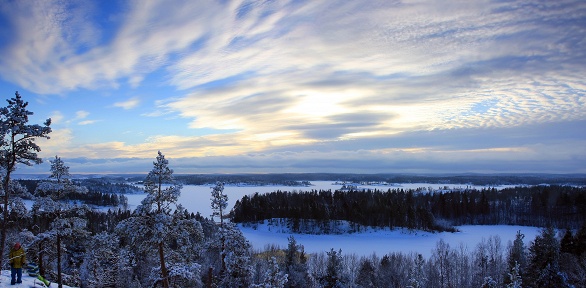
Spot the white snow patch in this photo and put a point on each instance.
(27, 281)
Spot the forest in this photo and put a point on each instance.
(540, 206)
(160, 244)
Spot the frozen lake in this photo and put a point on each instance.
(384, 241)
(196, 198)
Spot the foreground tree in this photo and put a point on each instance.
(219, 204)
(17, 147)
(273, 277)
(238, 265)
(65, 220)
(544, 255)
(159, 222)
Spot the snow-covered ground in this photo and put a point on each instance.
(27, 281)
(385, 241)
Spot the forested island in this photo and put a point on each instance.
(541, 206)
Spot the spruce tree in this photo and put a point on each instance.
(544, 269)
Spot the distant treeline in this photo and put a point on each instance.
(560, 206)
(295, 179)
(247, 179)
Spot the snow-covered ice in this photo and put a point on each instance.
(384, 241)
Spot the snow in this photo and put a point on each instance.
(27, 281)
(384, 241)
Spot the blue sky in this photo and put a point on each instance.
(302, 86)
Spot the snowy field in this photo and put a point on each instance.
(385, 241)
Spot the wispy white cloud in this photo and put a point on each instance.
(128, 104)
(86, 122)
(81, 114)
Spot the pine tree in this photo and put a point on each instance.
(219, 203)
(517, 254)
(273, 278)
(568, 243)
(65, 218)
(417, 276)
(17, 147)
(367, 274)
(100, 266)
(153, 222)
(237, 260)
(544, 268)
(333, 277)
(514, 277)
(295, 264)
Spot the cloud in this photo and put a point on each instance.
(81, 114)
(86, 122)
(56, 117)
(128, 104)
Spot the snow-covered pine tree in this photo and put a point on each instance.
(238, 265)
(514, 278)
(17, 210)
(334, 275)
(517, 254)
(417, 277)
(100, 264)
(296, 264)
(64, 217)
(543, 268)
(367, 275)
(273, 277)
(219, 203)
(159, 224)
(18, 146)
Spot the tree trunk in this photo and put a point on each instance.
(164, 273)
(59, 280)
(223, 256)
(210, 277)
(40, 260)
(5, 217)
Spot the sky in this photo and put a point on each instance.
(360, 86)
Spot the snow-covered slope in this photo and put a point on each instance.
(27, 281)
